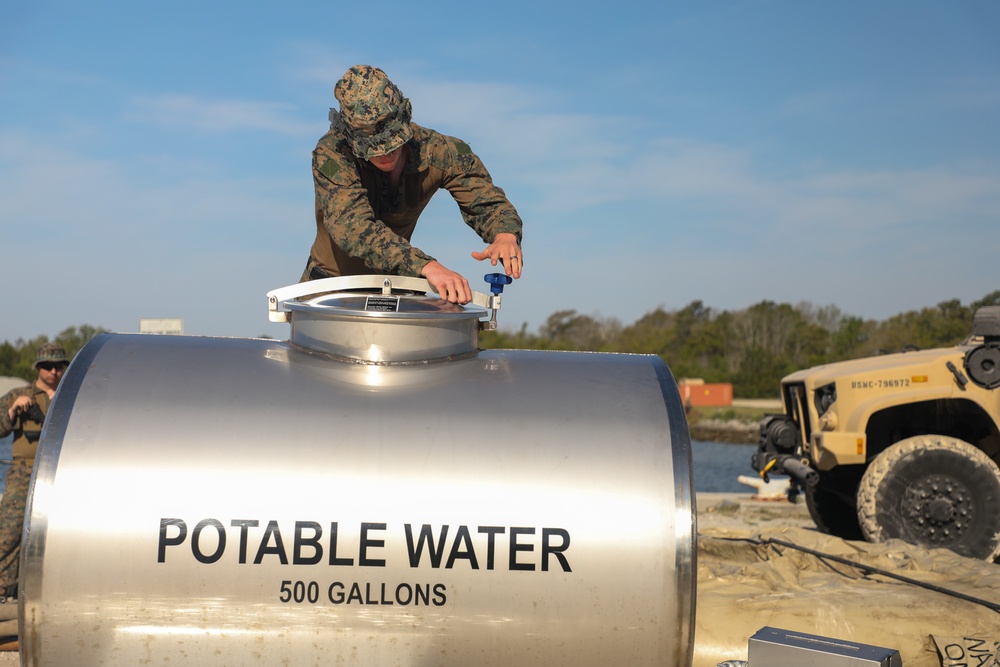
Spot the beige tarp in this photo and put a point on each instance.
(747, 581)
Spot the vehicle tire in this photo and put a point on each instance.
(832, 503)
(935, 491)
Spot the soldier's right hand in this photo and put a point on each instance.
(18, 406)
(449, 285)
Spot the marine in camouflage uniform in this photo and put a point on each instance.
(365, 215)
(20, 418)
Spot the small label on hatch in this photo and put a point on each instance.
(385, 304)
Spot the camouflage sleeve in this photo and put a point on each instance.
(485, 207)
(6, 425)
(348, 217)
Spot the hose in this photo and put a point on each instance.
(868, 569)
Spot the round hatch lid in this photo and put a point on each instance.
(372, 304)
(383, 325)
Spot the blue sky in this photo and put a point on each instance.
(155, 157)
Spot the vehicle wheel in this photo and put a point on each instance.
(935, 491)
(832, 505)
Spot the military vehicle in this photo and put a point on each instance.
(902, 445)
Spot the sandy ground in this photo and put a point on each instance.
(741, 510)
(715, 510)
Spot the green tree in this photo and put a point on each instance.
(73, 338)
(650, 334)
(499, 339)
(18, 359)
(760, 373)
(569, 330)
(848, 338)
(698, 345)
(9, 357)
(991, 299)
(946, 324)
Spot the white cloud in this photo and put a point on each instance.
(218, 115)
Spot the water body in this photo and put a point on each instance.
(718, 464)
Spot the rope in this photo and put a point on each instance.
(868, 569)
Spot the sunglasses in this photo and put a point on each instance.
(53, 365)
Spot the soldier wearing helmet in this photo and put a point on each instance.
(22, 412)
(374, 172)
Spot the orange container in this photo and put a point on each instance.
(704, 395)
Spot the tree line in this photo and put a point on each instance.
(751, 348)
(18, 359)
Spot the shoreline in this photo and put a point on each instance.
(734, 432)
(736, 424)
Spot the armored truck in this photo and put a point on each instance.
(901, 445)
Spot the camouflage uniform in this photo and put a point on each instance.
(26, 432)
(363, 224)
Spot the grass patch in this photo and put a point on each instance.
(728, 413)
(725, 507)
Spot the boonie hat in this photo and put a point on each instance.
(50, 352)
(373, 112)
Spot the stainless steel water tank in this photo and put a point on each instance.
(375, 490)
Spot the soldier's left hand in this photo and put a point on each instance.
(506, 250)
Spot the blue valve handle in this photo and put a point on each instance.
(497, 281)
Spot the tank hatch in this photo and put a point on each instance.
(381, 319)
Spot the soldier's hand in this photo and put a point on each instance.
(449, 285)
(504, 249)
